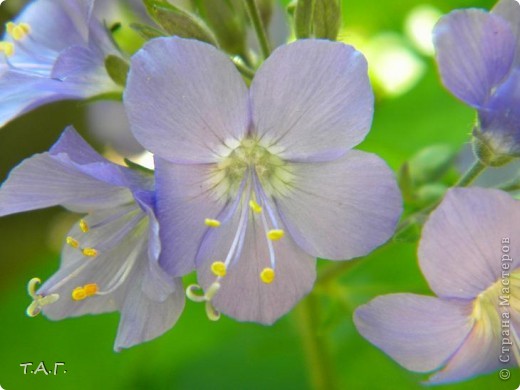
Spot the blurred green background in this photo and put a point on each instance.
(198, 354)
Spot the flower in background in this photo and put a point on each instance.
(54, 50)
(110, 258)
(478, 54)
(470, 255)
(253, 185)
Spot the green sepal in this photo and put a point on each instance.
(147, 32)
(303, 18)
(327, 19)
(117, 69)
(176, 21)
(486, 154)
(227, 19)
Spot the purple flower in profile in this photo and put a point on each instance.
(110, 258)
(253, 185)
(470, 255)
(54, 50)
(478, 54)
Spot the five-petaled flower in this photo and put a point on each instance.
(478, 54)
(110, 258)
(470, 255)
(54, 50)
(253, 185)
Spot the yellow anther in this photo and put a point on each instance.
(78, 294)
(275, 234)
(83, 225)
(72, 242)
(90, 289)
(9, 27)
(25, 27)
(18, 31)
(212, 222)
(255, 206)
(89, 252)
(218, 268)
(7, 48)
(267, 275)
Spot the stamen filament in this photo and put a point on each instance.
(265, 202)
(123, 272)
(255, 206)
(242, 225)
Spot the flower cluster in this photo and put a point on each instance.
(256, 176)
(251, 184)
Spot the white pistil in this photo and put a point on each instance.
(39, 301)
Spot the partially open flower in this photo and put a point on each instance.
(470, 255)
(110, 257)
(253, 185)
(478, 54)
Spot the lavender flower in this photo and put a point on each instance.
(110, 259)
(470, 255)
(236, 168)
(54, 50)
(478, 54)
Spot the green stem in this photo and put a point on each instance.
(254, 14)
(471, 174)
(319, 361)
(465, 180)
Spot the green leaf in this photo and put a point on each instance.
(117, 69)
(227, 18)
(176, 21)
(147, 32)
(303, 18)
(327, 19)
